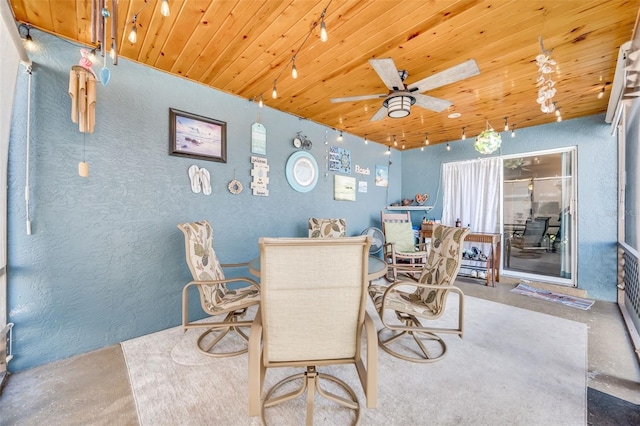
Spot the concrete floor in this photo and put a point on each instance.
(94, 388)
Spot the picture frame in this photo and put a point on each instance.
(195, 136)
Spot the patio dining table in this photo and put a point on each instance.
(377, 268)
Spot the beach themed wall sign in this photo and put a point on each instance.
(339, 160)
(194, 136)
(259, 173)
(258, 139)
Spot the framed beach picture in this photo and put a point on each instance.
(382, 175)
(194, 136)
(344, 188)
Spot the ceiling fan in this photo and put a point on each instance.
(398, 101)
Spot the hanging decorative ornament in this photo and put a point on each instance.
(235, 187)
(488, 141)
(546, 86)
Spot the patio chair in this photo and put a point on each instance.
(414, 302)
(216, 298)
(528, 240)
(400, 248)
(327, 228)
(312, 314)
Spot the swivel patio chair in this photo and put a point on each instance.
(312, 315)
(414, 302)
(216, 298)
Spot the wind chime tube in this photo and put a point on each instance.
(114, 31)
(82, 90)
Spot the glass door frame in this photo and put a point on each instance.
(573, 234)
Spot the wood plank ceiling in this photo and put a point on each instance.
(241, 47)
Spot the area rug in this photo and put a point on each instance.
(539, 293)
(513, 367)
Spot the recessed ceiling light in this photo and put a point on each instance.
(454, 115)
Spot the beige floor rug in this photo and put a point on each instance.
(513, 367)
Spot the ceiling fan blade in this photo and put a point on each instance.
(382, 113)
(357, 98)
(429, 102)
(450, 75)
(388, 73)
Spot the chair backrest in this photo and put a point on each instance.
(394, 217)
(313, 298)
(327, 228)
(397, 229)
(534, 231)
(443, 265)
(203, 262)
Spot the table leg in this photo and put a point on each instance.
(498, 256)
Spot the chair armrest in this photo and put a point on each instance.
(251, 282)
(185, 293)
(234, 265)
(392, 288)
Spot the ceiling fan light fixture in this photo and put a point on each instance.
(399, 106)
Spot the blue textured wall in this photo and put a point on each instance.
(597, 187)
(105, 261)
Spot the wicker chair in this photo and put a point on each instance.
(215, 297)
(312, 314)
(412, 302)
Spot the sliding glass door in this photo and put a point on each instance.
(539, 217)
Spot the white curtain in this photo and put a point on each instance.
(472, 194)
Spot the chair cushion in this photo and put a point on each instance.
(327, 228)
(201, 257)
(442, 265)
(399, 301)
(215, 300)
(401, 234)
(205, 266)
